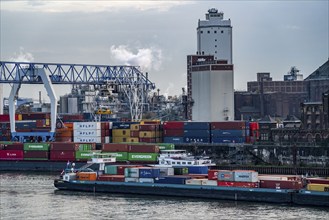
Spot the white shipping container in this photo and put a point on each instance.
(166, 171)
(246, 176)
(131, 180)
(87, 125)
(132, 172)
(146, 180)
(207, 182)
(83, 139)
(194, 181)
(110, 125)
(107, 139)
(87, 133)
(278, 178)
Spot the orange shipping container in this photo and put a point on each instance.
(87, 176)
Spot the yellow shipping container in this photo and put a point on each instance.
(318, 187)
(134, 127)
(124, 140)
(147, 134)
(120, 132)
(20, 117)
(47, 122)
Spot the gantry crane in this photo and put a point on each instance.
(135, 84)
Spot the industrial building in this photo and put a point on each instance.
(210, 78)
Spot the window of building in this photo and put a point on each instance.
(215, 51)
(202, 52)
(222, 31)
(201, 32)
(215, 32)
(215, 39)
(208, 32)
(215, 45)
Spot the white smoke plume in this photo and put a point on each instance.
(22, 56)
(147, 58)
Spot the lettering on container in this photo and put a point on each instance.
(141, 156)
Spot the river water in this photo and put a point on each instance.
(33, 196)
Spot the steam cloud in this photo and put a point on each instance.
(22, 56)
(146, 58)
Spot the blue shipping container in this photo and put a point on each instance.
(196, 125)
(173, 140)
(149, 173)
(197, 169)
(224, 140)
(122, 125)
(171, 180)
(228, 133)
(197, 133)
(22, 125)
(196, 140)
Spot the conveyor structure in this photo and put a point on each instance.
(135, 84)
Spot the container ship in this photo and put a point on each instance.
(194, 179)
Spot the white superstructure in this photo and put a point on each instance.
(214, 36)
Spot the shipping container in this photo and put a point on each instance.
(197, 133)
(14, 146)
(134, 127)
(196, 125)
(180, 170)
(111, 169)
(245, 176)
(131, 179)
(112, 178)
(87, 133)
(36, 146)
(148, 127)
(225, 183)
(120, 156)
(58, 146)
(25, 125)
(132, 172)
(87, 176)
(84, 155)
(173, 133)
(62, 155)
(173, 140)
(225, 175)
(139, 148)
(122, 125)
(166, 171)
(147, 157)
(196, 140)
(115, 147)
(84, 139)
(228, 125)
(207, 182)
(147, 134)
(146, 180)
(227, 139)
(194, 182)
(318, 187)
(149, 172)
(121, 132)
(172, 179)
(246, 184)
(166, 146)
(40, 154)
(173, 125)
(134, 133)
(197, 169)
(213, 175)
(281, 184)
(86, 125)
(317, 180)
(121, 168)
(11, 155)
(228, 133)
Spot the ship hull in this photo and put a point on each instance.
(193, 191)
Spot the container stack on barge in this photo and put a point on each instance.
(199, 182)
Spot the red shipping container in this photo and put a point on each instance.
(63, 139)
(11, 155)
(228, 125)
(107, 133)
(212, 174)
(115, 147)
(246, 184)
(112, 178)
(59, 146)
(121, 168)
(138, 148)
(148, 127)
(62, 155)
(36, 154)
(253, 126)
(173, 133)
(14, 146)
(225, 183)
(281, 184)
(317, 180)
(173, 125)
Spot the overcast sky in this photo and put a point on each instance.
(268, 36)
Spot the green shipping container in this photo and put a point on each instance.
(36, 146)
(84, 155)
(111, 170)
(180, 170)
(166, 146)
(35, 158)
(143, 156)
(86, 147)
(119, 156)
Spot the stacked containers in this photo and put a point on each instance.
(36, 151)
(150, 133)
(64, 132)
(280, 181)
(173, 132)
(120, 151)
(105, 132)
(121, 132)
(134, 133)
(228, 132)
(63, 151)
(33, 122)
(85, 151)
(5, 133)
(196, 132)
(237, 178)
(141, 174)
(254, 132)
(11, 151)
(87, 132)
